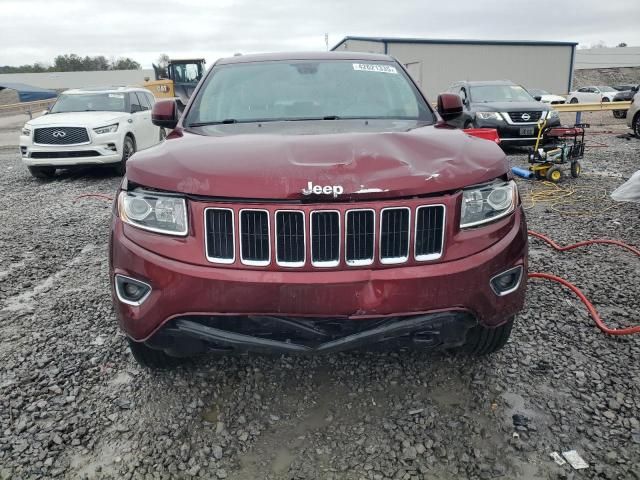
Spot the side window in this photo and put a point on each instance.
(583, 90)
(150, 98)
(144, 101)
(135, 103)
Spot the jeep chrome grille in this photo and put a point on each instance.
(369, 234)
(60, 135)
(220, 236)
(429, 232)
(325, 238)
(359, 241)
(254, 237)
(290, 246)
(394, 235)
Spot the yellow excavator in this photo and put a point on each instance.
(177, 80)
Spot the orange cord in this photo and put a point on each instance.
(592, 311)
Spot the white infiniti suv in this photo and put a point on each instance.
(90, 127)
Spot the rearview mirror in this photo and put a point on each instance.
(165, 114)
(449, 106)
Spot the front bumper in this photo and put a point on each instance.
(104, 151)
(186, 292)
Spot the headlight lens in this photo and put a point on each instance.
(489, 115)
(26, 131)
(552, 114)
(107, 129)
(156, 213)
(487, 203)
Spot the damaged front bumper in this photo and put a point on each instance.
(191, 335)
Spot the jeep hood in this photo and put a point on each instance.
(235, 161)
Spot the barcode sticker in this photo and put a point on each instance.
(372, 67)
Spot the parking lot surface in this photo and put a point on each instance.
(73, 404)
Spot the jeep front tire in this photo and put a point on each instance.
(482, 340)
(151, 358)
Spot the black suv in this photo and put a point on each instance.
(625, 94)
(503, 105)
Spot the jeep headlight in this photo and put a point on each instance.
(487, 203)
(552, 114)
(107, 129)
(489, 116)
(26, 131)
(154, 212)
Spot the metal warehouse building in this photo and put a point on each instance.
(436, 64)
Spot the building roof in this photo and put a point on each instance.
(268, 57)
(454, 41)
(479, 83)
(607, 57)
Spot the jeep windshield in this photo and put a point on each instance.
(500, 93)
(307, 90)
(90, 102)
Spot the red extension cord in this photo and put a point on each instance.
(592, 311)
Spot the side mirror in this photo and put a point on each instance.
(165, 114)
(45, 111)
(537, 98)
(449, 106)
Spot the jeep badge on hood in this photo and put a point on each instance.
(327, 189)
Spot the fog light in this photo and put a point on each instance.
(131, 291)
(111, 146)
(507, 281)
(23, 150)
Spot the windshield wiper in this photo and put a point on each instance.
(226, 121)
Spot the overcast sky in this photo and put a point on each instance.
(38, 30)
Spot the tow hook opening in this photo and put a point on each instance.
(131, 291)
(506, 282)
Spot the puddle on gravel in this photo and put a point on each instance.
(277, 448)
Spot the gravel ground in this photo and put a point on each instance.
(73, 404)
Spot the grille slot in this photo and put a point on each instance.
(429, 234)
(394, 235)
(220, 237)
(516, 117)
(325, 238)
(359, 240)
(72, 154)
(290, 235)
(60, 135)
(254, 237)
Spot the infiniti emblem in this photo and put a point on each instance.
(59, 134)
(525, 116)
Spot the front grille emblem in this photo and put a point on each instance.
(525, 117)
(59, 134)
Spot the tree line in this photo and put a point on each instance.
(75, 63)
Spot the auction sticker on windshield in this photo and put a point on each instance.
(370, 67)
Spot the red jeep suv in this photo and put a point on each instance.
(315, 203)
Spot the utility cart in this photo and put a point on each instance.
(555, 148)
